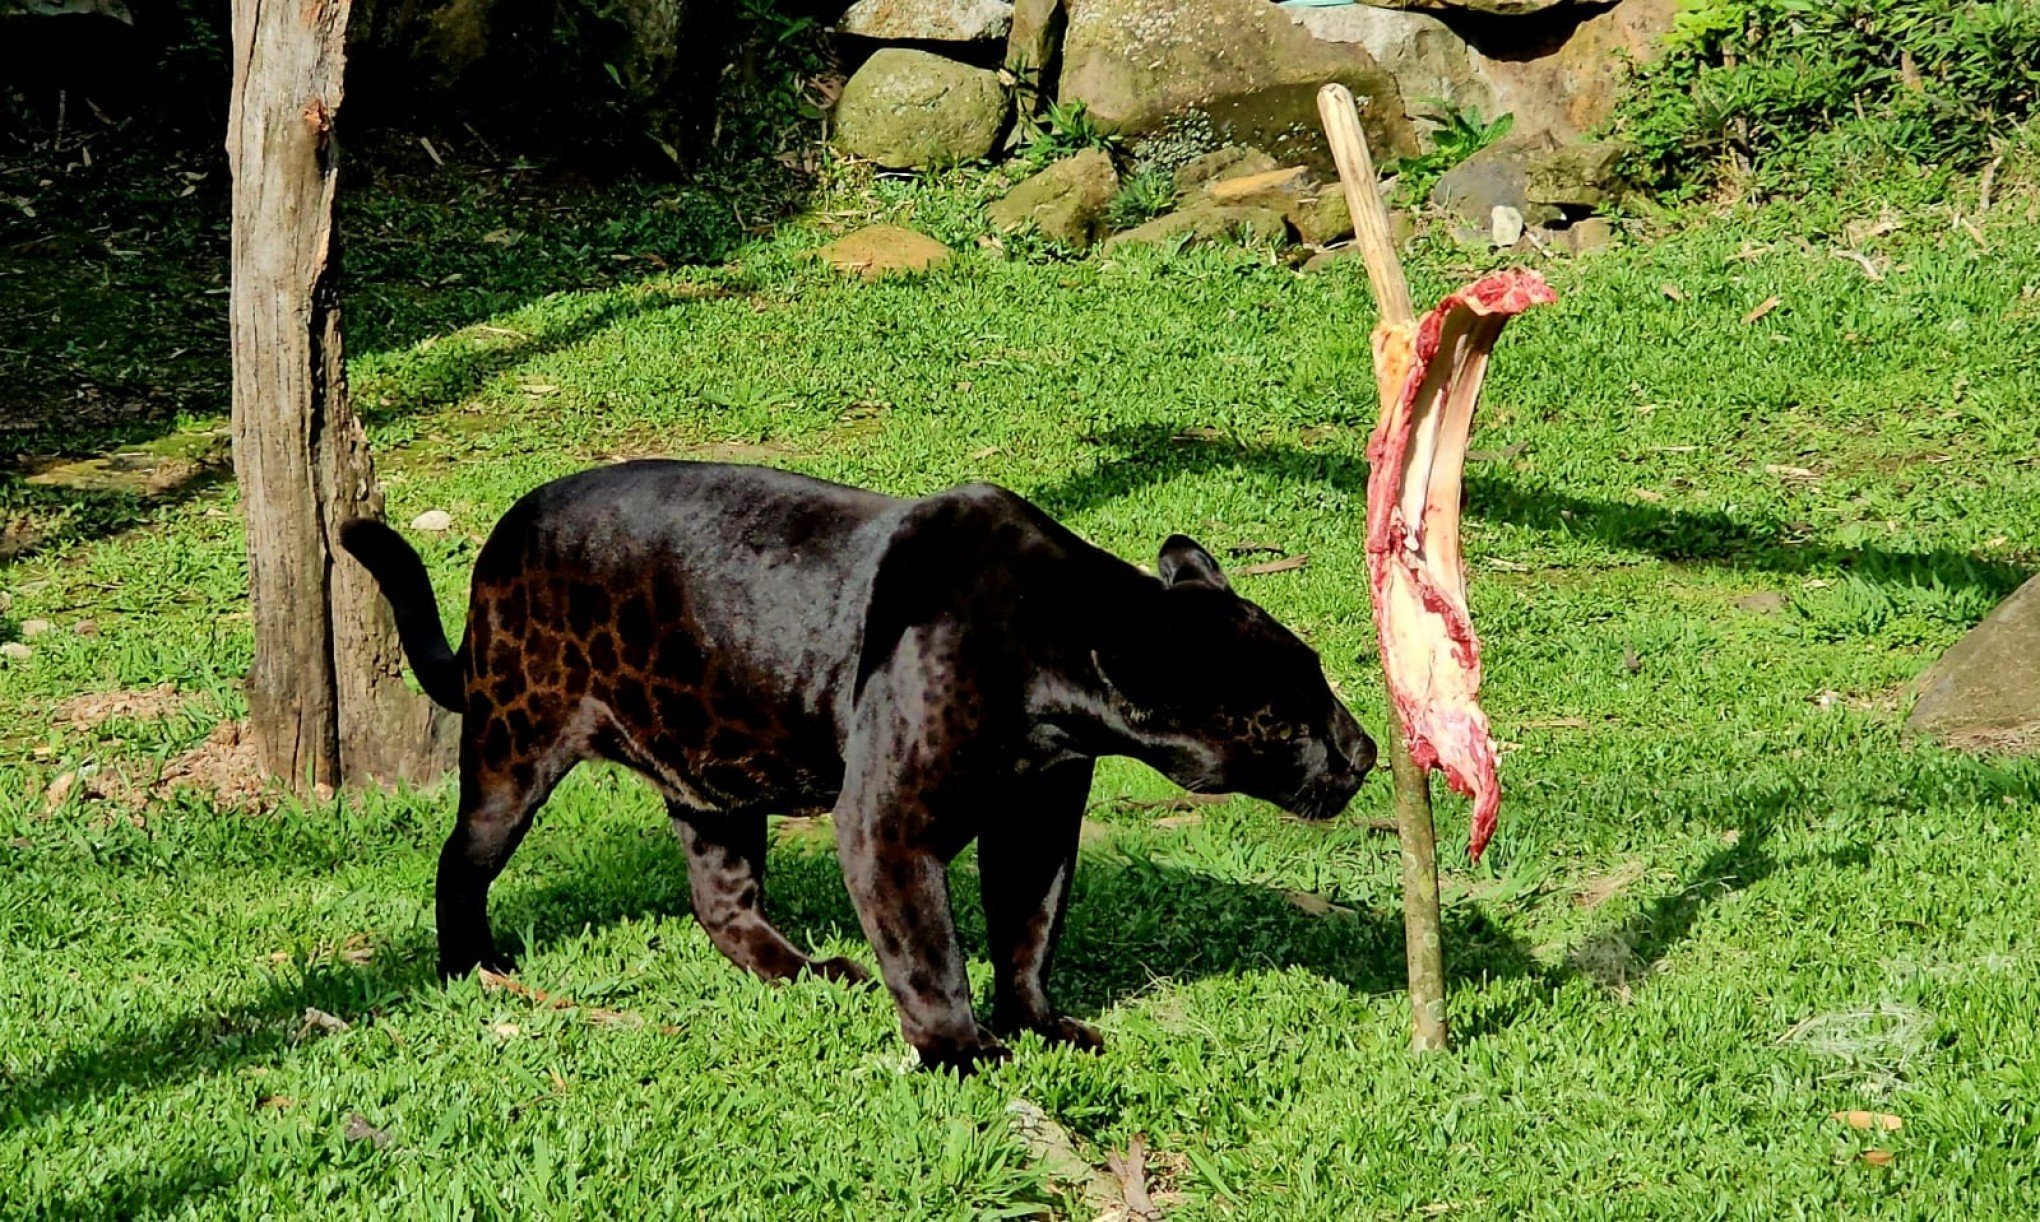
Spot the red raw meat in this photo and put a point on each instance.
(1416, 458)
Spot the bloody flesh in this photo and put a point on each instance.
(1416, 459)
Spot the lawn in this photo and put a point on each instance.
(1712, 545)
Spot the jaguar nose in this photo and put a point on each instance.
(1352, 743)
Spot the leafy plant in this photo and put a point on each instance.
(1144, 195)
(1800, 91)
(1459, 135)
(1065, 128)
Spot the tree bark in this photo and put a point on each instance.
(326, 702)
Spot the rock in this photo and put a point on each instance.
(1035, 39)
(15, 651)
(1428, 58)
(1245, 65)
(1325, 217)
(928, 20)
(910, 110)
(1232, 161)
(35, 627)
(1401, 228)
(85, 627)
(1271, 188)
(1205, 221)
(1763, 602)
(1505, 227)
(884, 250)
(1558, 76)
(1316, 210)
(1329, 258)
(1578, 176)
(1066, 202)
(1984, 693)
(1494, 8)
(1590, 233)
(1493, 178)
(432, 520)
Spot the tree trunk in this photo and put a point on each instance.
(326, 702)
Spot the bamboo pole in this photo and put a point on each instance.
(1394, 351)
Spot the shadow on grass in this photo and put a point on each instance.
(115, 322)
(1130, 923)
(1137, 458)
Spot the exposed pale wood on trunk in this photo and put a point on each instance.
(326, 703)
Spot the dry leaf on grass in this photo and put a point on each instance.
(1284, 565)
(595, 1015)
(89, 710)
(276, 1103)
(58, 790)
(320, 1021)
(1315, 905)
(1877, 1158)
(1131, 1170)
(1050, 1146)
(1784, 472)
(359, 1129)
(1672, 291)
(1770, 304)
(1596, 891)
(1881, 1121)
(1514, 449)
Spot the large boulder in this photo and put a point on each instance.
(911, 110)
(1984, 693)
(1035, 39)
(1066, 202)
(1584, 175)
(1559, 74)
(1490, 8)
(1246, 66)
(1498, 176)
(928, 20)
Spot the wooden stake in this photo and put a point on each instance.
(1394, 352)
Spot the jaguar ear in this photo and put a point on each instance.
(1182, 562)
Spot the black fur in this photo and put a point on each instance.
(935, 671)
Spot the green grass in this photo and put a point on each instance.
(1726, 898)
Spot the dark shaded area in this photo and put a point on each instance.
(599, 85)
(113, 277)
(1521, 37)
(1133, 459)
(1130, 922)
